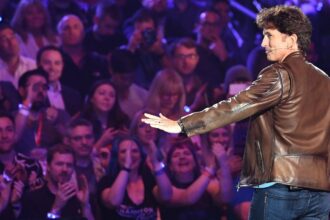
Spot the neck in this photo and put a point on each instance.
(102, 117)
(36, 32)
(291, 51)
(7, 157)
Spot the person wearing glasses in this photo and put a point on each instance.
(38, 124)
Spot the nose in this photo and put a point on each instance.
(264, 42)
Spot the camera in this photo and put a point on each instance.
(149, 37)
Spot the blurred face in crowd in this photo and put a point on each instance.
(71, 30)
(39, 86)
(141, 27)
(8, 43)
(52, 62)
(7, 135)
(209, 26)
(185, 60)
(169, 98)
(220, 135)
(61, 168)
(34, 17)
(104, 98)
(145, 132)
(106, 26)
(82, 140)
(135, 155)
(182, 160)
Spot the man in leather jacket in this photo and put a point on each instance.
(288, 144)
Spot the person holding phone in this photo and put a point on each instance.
(62, 196)
(286, 154)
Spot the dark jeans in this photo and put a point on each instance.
(279, 202)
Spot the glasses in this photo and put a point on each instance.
(81, 137)
(190, 56)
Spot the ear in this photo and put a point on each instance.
(22, 92)
(293, 41)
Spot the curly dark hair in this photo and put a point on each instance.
(288, 20)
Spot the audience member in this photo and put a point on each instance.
(81, 67)
(130, 191)
(184, 57)
(106, 33)
(12, 64)
(103, 110)
(167, 94)
(50, 59)
(19, 173)
(32, 23)
(9, 97)
(65, 195)
(196, 194)
(81, 140)
(7, 10)
(38, 125)
(123, 67)
(145, 41)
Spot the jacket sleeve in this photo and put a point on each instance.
(271, 87)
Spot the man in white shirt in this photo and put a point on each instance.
(12, 65)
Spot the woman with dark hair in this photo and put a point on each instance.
(197, 193)
(102, 109)
(130, 191)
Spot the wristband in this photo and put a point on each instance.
(161, 170)
(209, 171)
(51, 215)
(126, 169)
(24, 110)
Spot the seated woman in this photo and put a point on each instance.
(196, 194)
(103, 110)
(130, 191)
(32, 23)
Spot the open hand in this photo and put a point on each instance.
(161, 123)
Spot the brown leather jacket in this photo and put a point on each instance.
(289, 133)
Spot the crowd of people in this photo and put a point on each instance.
(75, 80)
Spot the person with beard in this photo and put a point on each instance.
(18, 173)
(38, 125)
(62, 196)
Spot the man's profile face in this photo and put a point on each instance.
(276, 44)
(185, 60)
(7, 134)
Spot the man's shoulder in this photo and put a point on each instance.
(27, 61)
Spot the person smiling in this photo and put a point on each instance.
(287, 147)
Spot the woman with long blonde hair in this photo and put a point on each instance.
(167, 94)
(32, 23)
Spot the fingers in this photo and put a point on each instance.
(149, 116)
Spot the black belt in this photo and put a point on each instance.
(295, 188)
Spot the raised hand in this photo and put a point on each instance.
(64, 193)
(161, 123)
(83, 192)
(17, 192)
